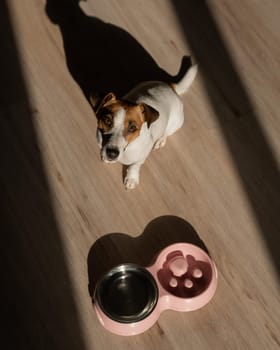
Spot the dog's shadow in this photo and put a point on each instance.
(118, 248)
(102, 57)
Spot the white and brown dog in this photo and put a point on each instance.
(129, 128)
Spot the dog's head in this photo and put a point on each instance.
(119, 122)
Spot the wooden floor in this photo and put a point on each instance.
(66, 217)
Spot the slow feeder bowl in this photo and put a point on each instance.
(130, 298)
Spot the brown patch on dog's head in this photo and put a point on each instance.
(105, 110)
(134, 119)
(136, 116)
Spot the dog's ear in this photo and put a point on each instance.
(150, 114)
(98, 101)
(95, 100)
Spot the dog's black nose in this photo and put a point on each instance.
(112, 153)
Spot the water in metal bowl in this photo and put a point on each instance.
(127, 293)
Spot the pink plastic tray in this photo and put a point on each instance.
(129, 298)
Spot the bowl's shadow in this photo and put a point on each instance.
(118, 248)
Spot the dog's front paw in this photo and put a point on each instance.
(130, 183)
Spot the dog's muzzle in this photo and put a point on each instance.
(111, 153)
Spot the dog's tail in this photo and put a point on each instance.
(183, 85)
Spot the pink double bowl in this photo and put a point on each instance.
(129, 298)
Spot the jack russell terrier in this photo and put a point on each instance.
(129, 128)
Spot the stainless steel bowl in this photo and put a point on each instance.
(127, 293)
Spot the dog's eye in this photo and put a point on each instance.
(132, 128)
(108, 121)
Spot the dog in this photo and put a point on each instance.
(128, 129)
